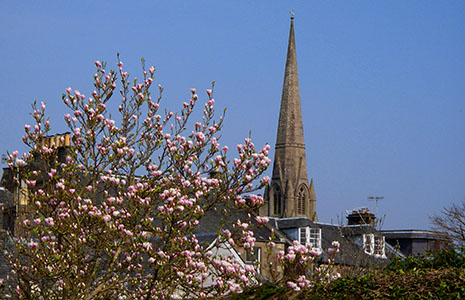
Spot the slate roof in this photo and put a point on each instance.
(212, 221)
(351, 249)
(415, 234)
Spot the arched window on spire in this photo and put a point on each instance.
(301, 200)
(277, 203)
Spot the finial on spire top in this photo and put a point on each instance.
(292, 14)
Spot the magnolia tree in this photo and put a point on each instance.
(114, 216)
(302, 269)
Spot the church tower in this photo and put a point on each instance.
(289, 193)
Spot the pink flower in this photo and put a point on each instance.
(60, 186)
(261, 220)
(266, 179)
(20, 162)
(293, 286)
(209, 92)
(199, 135)
(147, 246)
(32, 245)
(77, 131)
(186, 183)
(50, 221)
(303, 282)
(52, 173)
(314, 253)
(98, 64)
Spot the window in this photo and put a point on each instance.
(253, 257)
(277, 200)
(379, 246)
(374, 245)
(303, 235)
(310, 236)
(301, 199)
(368, 243)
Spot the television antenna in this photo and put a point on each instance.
(375, 198)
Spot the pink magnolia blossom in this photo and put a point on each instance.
(261, 220)
(32, 245)
(50, 221)
(293, 286)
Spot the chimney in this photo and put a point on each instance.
(361, 216)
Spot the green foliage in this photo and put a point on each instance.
(438, 276)
(445, 258)
(266, 291)
(428, 284)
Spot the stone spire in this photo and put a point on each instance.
(289, 193)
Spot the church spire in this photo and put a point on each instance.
(289, 193)
(290, 129)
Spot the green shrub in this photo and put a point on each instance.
(445, 258)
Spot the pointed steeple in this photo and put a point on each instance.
(290, 129)
(289, 194)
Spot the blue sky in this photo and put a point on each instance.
(382, 83)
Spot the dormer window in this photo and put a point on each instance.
(252, 257)
(368, 244)
(310, 236)
(379, 246)
(374, 245)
